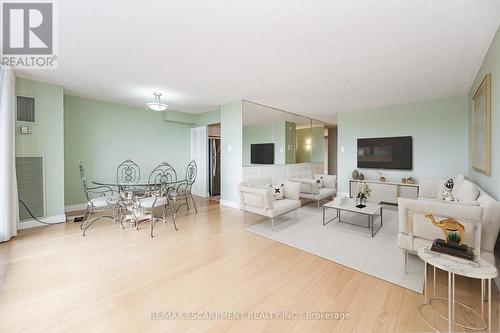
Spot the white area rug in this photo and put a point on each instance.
(349, 245)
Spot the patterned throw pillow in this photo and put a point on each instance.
(446, 192)
(278, 191)
(319, 181)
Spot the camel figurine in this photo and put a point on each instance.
(448, 225)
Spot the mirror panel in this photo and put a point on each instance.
(291, 136)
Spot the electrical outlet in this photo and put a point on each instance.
(78, 219)
(25, 129)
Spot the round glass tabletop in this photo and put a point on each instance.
(141, 182)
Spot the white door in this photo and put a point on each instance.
(199, 153)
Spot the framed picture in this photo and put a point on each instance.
(481, 127)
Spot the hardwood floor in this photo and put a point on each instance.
(52, 279)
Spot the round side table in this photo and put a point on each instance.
(479, 269)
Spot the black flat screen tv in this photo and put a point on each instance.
(386, 153)
(262, 153)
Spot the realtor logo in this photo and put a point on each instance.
(28, 34)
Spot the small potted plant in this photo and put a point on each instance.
(363, 194)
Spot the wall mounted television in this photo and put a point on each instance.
(386, 153)
(262, 153)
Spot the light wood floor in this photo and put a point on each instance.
(51, 279)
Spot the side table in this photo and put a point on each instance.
(479, 269)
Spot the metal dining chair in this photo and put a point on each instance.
(128, 172)
(99, 198)
(158, 190)
(183, 190)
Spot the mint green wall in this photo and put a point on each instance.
(317, 144)
(103, 134)
(440, 138)
(179, 117)
(231, 150)
(491, 64)
(290, 142)
(265, 133)
(207, 118)
(302, 135)
(46, 140)
(194, 119)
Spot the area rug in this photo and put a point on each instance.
(348, 245)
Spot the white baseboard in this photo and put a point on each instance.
(72, 208)
(26, 224)
(204, 195)
(228, 203)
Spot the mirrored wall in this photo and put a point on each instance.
(272, 136)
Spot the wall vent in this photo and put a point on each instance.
(29, 171)
(26, 109)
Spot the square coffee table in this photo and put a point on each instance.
(372, 210)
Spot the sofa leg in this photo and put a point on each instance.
(272, 223)
(405, 254)
(317, 204)
(244, 217)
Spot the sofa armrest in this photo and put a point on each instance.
(412, 212)
(307, 185)
(292, 190)
(257, 197)
(466, 213)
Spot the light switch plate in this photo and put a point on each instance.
(25, 129)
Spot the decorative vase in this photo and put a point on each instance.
(361, 176)
(355, 175)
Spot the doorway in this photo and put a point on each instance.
(214, 159)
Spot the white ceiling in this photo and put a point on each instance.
(315, 58)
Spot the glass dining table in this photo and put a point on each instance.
(140, 184)
(130, 192)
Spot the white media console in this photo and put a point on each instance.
(386, 192)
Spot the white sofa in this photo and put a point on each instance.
(481, 214)
(256, 198)
(309, 188)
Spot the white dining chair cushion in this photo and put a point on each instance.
(149, 201)
(101, 202)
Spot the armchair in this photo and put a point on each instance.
(256, 198)
(310, 189)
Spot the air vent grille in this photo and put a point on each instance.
(29, 172)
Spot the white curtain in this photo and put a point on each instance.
(9, 206)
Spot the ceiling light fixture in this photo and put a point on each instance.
(157, 104)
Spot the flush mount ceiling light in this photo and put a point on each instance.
(157, 104)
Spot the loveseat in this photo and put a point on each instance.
(316, 187)
(472, 207)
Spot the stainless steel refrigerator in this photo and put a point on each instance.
(214, 166)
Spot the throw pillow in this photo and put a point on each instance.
(459, 180)
(319, 181)
(278, 191)
(468, 192)
(446, 192)
(429, 187)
